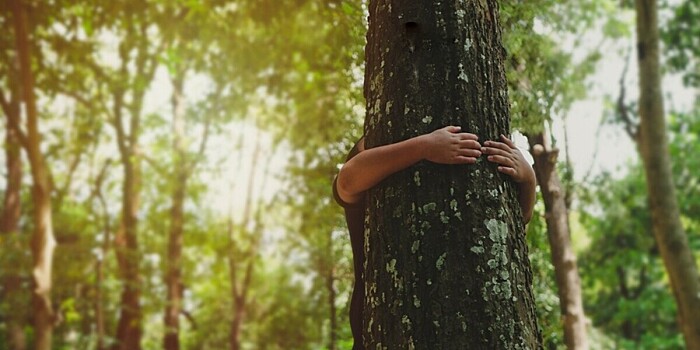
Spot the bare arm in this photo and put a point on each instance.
(369, 167)
(512, 162)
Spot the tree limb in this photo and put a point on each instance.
(631, 127)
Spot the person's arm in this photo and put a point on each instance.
(446, 146)
(511, 162)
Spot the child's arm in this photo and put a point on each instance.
(446, 146)
(512, 162)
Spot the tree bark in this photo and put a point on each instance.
(43, 242)
(668, 229)
(173, 279)
(563, 256)
(12, 208)
(447, 264)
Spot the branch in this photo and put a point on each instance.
(622, 281)
(631, 127)
(66, 186)
(13, 121)
(189, 318)
(159, 169)
(202, 147)
(231, 260)
(4, 103)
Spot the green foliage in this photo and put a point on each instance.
(543, 79)
(627, 292)
(292, 68)
(682, 41)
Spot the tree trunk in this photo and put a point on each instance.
(563, 256)
(173, 279)
(11, 210)
(237, 257)
(668, 230)
(129, 327)
(332, 294)
(100, 263)
(447, 264)
(43, 242)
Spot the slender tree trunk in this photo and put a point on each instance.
(129, 328)
(332, 294)
(563, 256)
(43, 242)
(99, 264)
(447, 264)
(237, 257)
(668, 230)
(11, 210)
(173, 279)
(133, 51)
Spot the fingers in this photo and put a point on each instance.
(507, 141)
(501, 160)
(498, 151)
(453, 128)
(499, 145)
(465, 160)
(469, 152)
(468, 136)
(507, 171)
(473, 144)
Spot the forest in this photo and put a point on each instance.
(167, 169)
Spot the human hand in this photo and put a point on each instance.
(451, 146)
(510, 160)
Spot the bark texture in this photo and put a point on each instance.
(558, 233)
(668, 230)
(447, 265)
(43, 241)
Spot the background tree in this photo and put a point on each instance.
(653, 145)
(43, 241)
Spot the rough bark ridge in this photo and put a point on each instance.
(43, 241)
(668, 230)
(447, 265)
(563, 256)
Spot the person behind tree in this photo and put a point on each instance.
(364, 168)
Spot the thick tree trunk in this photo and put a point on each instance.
(11, 210)
(668, 230)
(43, 242)
(173, 279)
(447, 264)
(563, 256)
